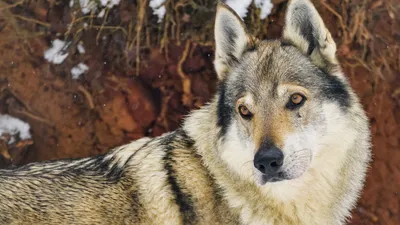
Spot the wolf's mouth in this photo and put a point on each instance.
(268, 178)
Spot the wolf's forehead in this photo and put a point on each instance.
(262, 70)
(271, 64)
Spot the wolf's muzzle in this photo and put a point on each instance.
(268, 160)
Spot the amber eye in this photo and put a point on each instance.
(296, 100)
(245, 112)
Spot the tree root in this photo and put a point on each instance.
(186, 83)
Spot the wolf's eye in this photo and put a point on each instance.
(245, 112)
(296, 100)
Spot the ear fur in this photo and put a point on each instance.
(305, 29)
(231, 39)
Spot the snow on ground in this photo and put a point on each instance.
(101, 13)
(78, 70)
(158, 9)
(14, 126)
(80, 48)
(110, 3)
(57, 54)
(88, 6)
(241, 6)
(265, 6)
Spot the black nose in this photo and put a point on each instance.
(268, 160)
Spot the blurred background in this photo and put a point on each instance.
(78, 77)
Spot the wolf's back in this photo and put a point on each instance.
(66, 192)
(150, 181)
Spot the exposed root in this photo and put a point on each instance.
(32, 116)
(147, 31)
(4, 150)
(12, 152)
(19, 99)
(186, 83)
(73, 16)
(337, 15)
(164, 112)
(143, 4)
(11, 6)
(115, 28)
(102, 26)
(164, 40)
(164, 37)
(75, 21)
(32, 21)
(87, 95)
(28, 112)
(177, 22)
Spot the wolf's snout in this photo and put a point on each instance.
(268, 160)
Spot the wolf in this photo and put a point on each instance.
(284, 141)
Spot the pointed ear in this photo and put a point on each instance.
(231, 39)
(305, 29)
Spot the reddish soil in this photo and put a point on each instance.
(112, 104)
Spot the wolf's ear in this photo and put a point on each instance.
(305, 29)
(231, 39)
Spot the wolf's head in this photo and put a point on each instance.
(281, 102)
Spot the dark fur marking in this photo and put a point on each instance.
(306, 27)
(230, 34)
(136, 206)
(133, 155)
(252, 46)
(183, 200)
(335, 90)
(229, 45)
(286, 43)
(232, 60)
(93, 166)
(224, 111)
(275, 85)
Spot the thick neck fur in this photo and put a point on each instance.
(325, 194)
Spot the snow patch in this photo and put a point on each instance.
(103, 2)
(78, 70)
(241, 6)
(265, 6)
(158, 9)
(88, 6)
(57, 53)
(80, 48)
(111, 3)
(101, 13)
(14, 126)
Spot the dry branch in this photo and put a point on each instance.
(12, 5)
(186, 83)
